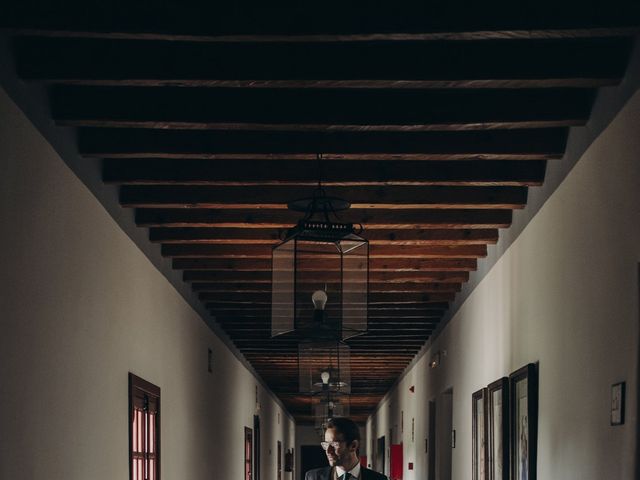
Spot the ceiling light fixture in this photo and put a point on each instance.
(324, 260)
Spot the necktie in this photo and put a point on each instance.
(346, 476)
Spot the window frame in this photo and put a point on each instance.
(139, 386)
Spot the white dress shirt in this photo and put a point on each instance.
(354, 472)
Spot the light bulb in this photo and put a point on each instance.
(319, 299)
(324, 376)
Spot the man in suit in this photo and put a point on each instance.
(341, 443)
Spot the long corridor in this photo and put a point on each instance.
(156, 323)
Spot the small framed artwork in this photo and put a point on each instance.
(617, 403)
(479, 437)
(523, 419)
(498, 423)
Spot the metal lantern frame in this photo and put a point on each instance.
(324, 367)
(320, 254)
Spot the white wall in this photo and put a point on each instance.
(565, 294)
(80, 307)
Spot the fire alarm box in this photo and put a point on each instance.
(396, 462)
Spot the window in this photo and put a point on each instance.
(144, 429)
(248, 448)
(279, 462)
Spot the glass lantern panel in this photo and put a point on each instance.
(283, 288)
(331, 358)
(355, 287)
(317, 268)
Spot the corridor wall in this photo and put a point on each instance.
(80, 307)
(564, 294)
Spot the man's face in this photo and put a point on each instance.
(342, 455)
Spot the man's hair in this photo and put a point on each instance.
(346, 427)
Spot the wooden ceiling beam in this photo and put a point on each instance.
(370, 218)
(306, 110)
(373, 287)
(380, 321)
(516, 144)
(399, 334)
(291, 22)
(334, 174)
(376, 315)
(362, 359)
(262, 333)
(390, 328)
(360, 197)
(375, 251)
(374, 321)
(375, 264)
(383, 348)
(372, 332)
(373, 305)
(265, 276)
(373, 297)
(255, 236)
(515, 63)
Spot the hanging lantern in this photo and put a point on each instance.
(324, 367)
(320, 273)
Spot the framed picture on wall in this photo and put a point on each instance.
(498, 429)
(523, 405)
(617, 403)
(479, 437)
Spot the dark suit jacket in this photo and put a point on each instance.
(325, 474)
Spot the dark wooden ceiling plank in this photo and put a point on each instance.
(361, 358)
(382, 329)
(373, 297)
(376, 317)
(401, 339)
(381, 64)
(516, 144)
(293, 365)
(386, 328)
(331, 109)
(370, 219)
(416, 332)
(375, 264)
(254, 236)
(237, 304)
(378, 348)
(219, 21)
(375, 251)
(277, 174)
(379, 197)
(263, 277)
(261, 313)
(238, 317)
(373, 287)
(376, 322)
(359, 364)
